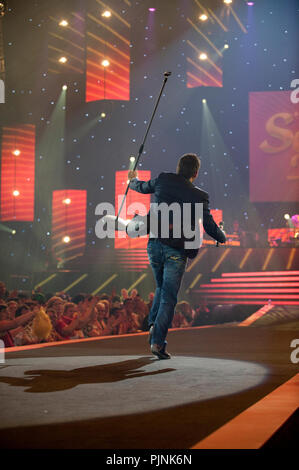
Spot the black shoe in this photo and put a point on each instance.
(150, 334)
(160, 352)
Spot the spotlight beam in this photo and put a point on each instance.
(205, 37)
(238, 20)
(114, 13)
(204, 71)
(218, 21)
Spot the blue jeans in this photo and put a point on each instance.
(168, 265)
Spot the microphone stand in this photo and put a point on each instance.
(166, 76)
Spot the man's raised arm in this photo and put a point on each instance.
(144, 187)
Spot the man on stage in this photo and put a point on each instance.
(168, 256)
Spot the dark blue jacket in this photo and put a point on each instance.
(170, 188)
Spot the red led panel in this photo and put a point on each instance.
(133, 197)
(107, 40)
(217, 215)
(69, 220)
(273, 137)
(17, 173)
(282, 234)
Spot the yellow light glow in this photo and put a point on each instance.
(105, 63)
(67, 201)
(227, 1)
(66, 239)
(203, 17)
(16, 193)
(103, 115)
(63, 23)
(106, 14)
(204, 100)
(63, 60)
(287, 216)
(64, 87)
(16, 152)
(226, 46)
(203, 56)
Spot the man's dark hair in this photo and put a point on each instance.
(20, 310)
(104, 297)
(188, 165)
(116, 298)
(78, 298)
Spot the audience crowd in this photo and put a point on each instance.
(37, 317)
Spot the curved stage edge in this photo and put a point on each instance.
(111, 393)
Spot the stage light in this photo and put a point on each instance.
(66, 239)
(132, 159)
(106, 14)
(67, 201)
(16, 193)
(203, 56)
(64, 87)
(13, 232)
(227, 1)
(204, 100)
(16, 152)
(226, 46)
(103, 115)
(2, 8)
(105, 63)
(63, 60)
(287, 216)
(250, 4)
(63, 23)
(203, 17)
(152, 9)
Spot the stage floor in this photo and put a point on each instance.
(111, 393)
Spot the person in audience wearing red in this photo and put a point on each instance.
(187, 311)
(55, 307)
(179, 320)
(66, 326)
(140, 308)
(124, 294)
(70, 310)
(102, 319)
(25, 335)
(132, 319)
(97, 325)
(6, 325)
(116, 302)
(81, 301)
(106, 303)
(12, 306)
(117, 320)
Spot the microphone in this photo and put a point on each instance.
(167, 74)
